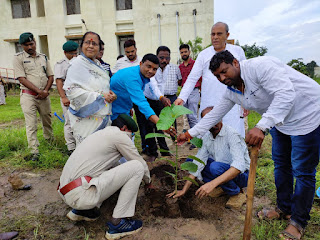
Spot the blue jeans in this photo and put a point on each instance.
(295, 157)
(214, 169)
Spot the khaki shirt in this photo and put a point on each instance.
(61, 68)
(34, 69)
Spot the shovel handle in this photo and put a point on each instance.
(250, 192)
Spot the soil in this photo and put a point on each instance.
(40, 213)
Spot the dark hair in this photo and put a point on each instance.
(150, 57)
(84, 36)
(220, 57)
(129, 43)
(184, 46)
(206, 109)
(164, 49)
(102, 42)
(118, 122)
(120, 56)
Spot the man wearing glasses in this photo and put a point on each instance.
(70, 49)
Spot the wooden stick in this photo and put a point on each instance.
(250, 192)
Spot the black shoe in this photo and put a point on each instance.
(166, 154)
(86, 215)
(70, 152)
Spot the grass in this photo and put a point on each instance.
(13, 149)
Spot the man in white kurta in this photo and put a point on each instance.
(211, 89)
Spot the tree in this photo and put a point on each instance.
(254, 50)
(298, 65)
(310, 68)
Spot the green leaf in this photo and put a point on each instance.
(166, 118)
(189, 166)
(197, 142)
(153, 135)
(171, 174)
(191, 180)
(180, 110)
(164, 150)
(173, 164)
(197, 159)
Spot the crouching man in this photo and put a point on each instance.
(92, 174)
(229, 169)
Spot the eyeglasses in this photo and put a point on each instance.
(93, 43)
(167, 58)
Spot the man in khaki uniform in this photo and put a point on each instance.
(36, 77)
(60, 72)
(92, 174)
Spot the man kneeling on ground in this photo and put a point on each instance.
(92, 174)
(229, 169)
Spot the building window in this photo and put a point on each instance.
(124, 4)
(40, 8)
(20, 8)
(18, 47)
(44, 48)
(73, 7)
(122, 39)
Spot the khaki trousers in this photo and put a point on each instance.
(68, 135)
(30, 106)
(126, 176)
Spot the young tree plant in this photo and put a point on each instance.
(167, 117)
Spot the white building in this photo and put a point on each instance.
(151, 23)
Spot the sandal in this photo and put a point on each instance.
(263, 214)
(288, 236)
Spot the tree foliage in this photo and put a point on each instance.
(195, 46)
(310, 68)
(298, 65)
(254, 50)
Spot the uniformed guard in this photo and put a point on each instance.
(70, 49)
(36, 77)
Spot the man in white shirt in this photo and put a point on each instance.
(227, 167)
(289, 103)
(211, 89)
(130, 59)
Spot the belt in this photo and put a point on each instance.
(29, 92)
(72, 185)
(167, 95)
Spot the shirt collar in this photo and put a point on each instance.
(28, 55)
(222, 133)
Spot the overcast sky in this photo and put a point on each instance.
(290, 29)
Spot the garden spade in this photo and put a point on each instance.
(250, 192)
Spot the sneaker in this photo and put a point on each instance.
(236, 201)
(84, 215)
(124, 228)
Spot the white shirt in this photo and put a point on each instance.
(228, 147)
(211, 89)
(286, 98)
(164, 82)
(124, 62)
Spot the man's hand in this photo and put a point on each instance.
(165, 101)
(65, 101)
(178, 101)
(43, 94)
(245, 112)
(171, 131)
(177, 194)
(255, 137)
(205, 189)
(183, 137)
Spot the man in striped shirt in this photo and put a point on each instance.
(227, 164)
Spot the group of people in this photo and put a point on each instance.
(97, 103)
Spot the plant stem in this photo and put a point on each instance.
(176, 177)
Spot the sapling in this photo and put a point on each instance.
(167, 118)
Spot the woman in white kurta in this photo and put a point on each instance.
(87, 87)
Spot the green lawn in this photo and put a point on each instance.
(13, 148)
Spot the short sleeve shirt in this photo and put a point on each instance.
(34, 69)
(61, 68)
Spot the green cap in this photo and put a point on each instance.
(131, 124)
(26, 37)
(70, 46)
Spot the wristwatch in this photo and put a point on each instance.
(264, 130)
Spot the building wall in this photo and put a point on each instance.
(101, 16)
